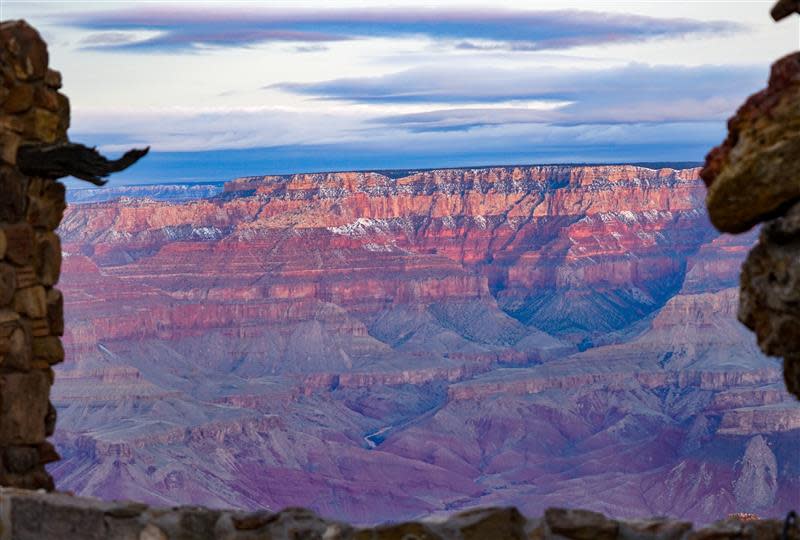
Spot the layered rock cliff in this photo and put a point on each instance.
(378, 346)
(601, 247)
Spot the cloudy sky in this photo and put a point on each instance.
(220, 89)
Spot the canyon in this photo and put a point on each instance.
(380, 346)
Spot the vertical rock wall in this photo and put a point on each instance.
(32, 111)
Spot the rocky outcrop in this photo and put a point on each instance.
(756, 485)
(72, 518)
(771, 292)
(754, 174)
(752, 177)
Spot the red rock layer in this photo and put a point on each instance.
(365, 241)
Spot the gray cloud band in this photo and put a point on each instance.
(632, 93)
(179, 28)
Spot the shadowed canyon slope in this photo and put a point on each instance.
(379, 346)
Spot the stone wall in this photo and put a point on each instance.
(21, 518)
(32, 111)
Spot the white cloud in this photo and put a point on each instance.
(213, 99)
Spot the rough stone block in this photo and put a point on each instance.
(15, 342)
(8, 284)
(19, 99)
(67, 517)
(124, 529)
(755, 172)
(20, 459)
(55, 312)
(36, 478)
(152, 532)
(39, 328)
(580, 524)
(46, 98)
(23, 407)
(42, 125)
(9, 144)
(19, 243)
(489, 522)
(28, 52)
(47, 258)
(7, 315)
(14, 187)
(26, 277)
(11, 123)
(47, 349)
(253, 520)
(47, 203)
(31, 302)
(53, 79)
(197, 522)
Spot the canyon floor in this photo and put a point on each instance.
(380, 346)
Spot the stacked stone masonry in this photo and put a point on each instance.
(32, 111)
(71, 518)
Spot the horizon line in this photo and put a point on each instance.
(393, 173)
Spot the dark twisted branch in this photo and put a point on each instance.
(70, 159)
(784, 8)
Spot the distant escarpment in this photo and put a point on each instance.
(572, 251)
